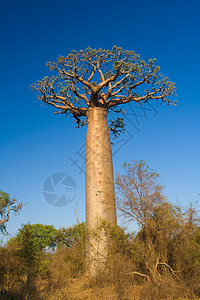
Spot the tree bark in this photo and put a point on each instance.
(100, 197)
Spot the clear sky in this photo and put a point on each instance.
(35, 143)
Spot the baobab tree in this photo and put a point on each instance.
(87, 84)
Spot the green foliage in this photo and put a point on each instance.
(41, 236)
(70, 236)
(117, 127)
(28, 248)
(71, 243)
(31, 243)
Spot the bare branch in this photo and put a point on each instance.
(149, 95)
(105, 82)
(83, 81)
(81, 96)
(75, 211)
(138, 83)
(139, 274)
(100, 72)
(92, 74)
(111, 88)
(171, 270)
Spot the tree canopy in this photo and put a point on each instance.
(41, 236)
(102, 78)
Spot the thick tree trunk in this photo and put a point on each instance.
(100, 197)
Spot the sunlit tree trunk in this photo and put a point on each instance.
(100, 197)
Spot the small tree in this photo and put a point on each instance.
(140, 198)
(7, 205)
(139, 192)
(31, 242)
(87, 84)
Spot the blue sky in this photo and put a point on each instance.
(36, 144)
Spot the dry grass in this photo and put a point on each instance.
(83, 289)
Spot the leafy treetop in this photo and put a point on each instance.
(102, 78)
(41, 236)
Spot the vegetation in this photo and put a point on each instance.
(87, 85)
(161, 260)
(102, 78)
(7, 205)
